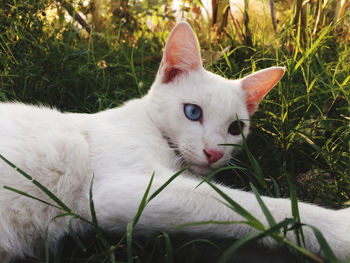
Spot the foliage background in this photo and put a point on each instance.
(86, 56)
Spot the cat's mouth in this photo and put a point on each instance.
(197, 168)
(201, 169)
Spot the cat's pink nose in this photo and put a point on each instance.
(213, 155)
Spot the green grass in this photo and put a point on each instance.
(299, 141)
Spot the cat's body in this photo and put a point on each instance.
(122, 148)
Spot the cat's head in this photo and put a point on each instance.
(198, 111)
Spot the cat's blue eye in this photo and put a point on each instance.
(193, 112)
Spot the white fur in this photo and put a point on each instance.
(122, 147)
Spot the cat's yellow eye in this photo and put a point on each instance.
(236, 127)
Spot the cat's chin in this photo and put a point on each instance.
(200, 169)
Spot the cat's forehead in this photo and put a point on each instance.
(215, 94)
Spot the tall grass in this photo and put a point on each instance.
(299, 136)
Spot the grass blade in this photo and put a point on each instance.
(98, 230)
(132, 65)
(324, 245)
(92, 206)
(211, 175)
(131, 225)
(143, 202)
(257, 173)
(142, 206)
(189, 224)
(46, 235)
(197, 241)
(277, 227)
(295, 208)
(228, 253)
(257, 170)
(254, 236)
(225, 57)
(75, 236)
(129, 230)
(30, 196)
(276, 188)
(169, 249)
(237, 208)
(263, 207)
(172, 178)
(313, 46)
(46, 245)
(39, 185)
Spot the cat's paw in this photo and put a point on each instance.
(335, 227)
(341, 242)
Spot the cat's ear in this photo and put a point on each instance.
(181, 53)
(258, 84)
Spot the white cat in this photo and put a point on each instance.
(184, 118)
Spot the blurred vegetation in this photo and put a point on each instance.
(86, 56)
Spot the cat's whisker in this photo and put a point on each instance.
(235, 160)
(235, 170)
(193, 154)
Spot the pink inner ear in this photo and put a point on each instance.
(181, 53)
(251, 107)
(258, 84)
(170, 74)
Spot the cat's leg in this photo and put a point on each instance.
(181, 202)
(60, 162)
